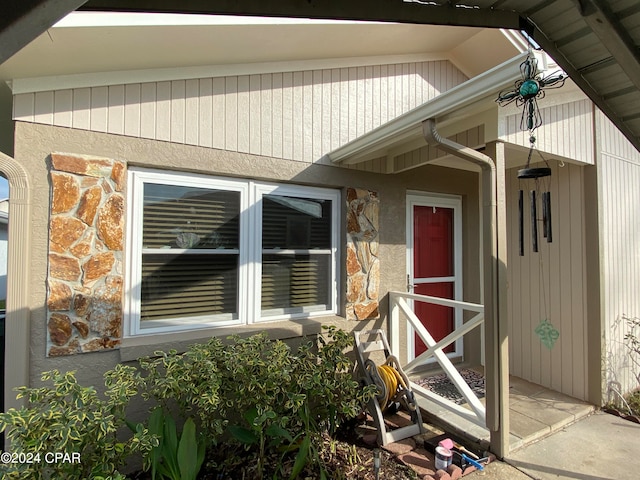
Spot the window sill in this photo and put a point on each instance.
(133, 348)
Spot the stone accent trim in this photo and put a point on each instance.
(86, 238)
(363, 264)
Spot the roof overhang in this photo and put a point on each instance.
(404, 133)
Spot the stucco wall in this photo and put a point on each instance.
(35, 143)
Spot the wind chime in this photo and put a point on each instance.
(525, 94)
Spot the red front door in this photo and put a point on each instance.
(434, 268)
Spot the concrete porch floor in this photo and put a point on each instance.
(534, 413)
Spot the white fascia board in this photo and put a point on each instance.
(138, 19)
(516, 39)
(409, 124)
(124, 77)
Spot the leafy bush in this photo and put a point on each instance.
(190, 382)
(634, 402)
(259, 393)
(71, 419)
(251, 392)
(632, 339)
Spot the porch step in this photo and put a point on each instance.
(534, 413)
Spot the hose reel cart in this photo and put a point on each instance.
(393, 385)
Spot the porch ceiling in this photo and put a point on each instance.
(595, 41)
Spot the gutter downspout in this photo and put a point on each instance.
(496, 358)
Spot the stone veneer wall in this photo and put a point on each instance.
(363, 265)
(86, 236)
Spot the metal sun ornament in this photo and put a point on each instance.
(525, 95)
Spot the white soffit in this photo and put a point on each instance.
(138, 46)
(407, 128)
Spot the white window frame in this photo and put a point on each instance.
(296, 191)
(249, 251)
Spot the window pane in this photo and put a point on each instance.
(290, 283)
(190, 217)
(295, 223)
(178, 286)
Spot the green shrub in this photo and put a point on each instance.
(188, 381)
(633, 400)
(71, 419)
(267, 376)
(632, 341)
(251, 392)
(259, 393)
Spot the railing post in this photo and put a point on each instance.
(394, 324)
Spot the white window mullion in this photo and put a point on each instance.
(245, 260)
(254, 245)
(335, 256)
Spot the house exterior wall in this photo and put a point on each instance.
(549, 285)
(277, 127)
(35, 143)
(619, 210)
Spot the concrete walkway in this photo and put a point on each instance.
(599, 447)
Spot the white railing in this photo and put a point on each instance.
(398, 304)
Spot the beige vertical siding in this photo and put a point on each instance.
(549, 285)
(473, 137)
(566, 130)
(293, 115)
(619, 169)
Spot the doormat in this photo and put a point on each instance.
(441, 385)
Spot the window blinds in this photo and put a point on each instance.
(296, 254)
(190, 252)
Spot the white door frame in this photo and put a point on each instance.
(444, 201)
